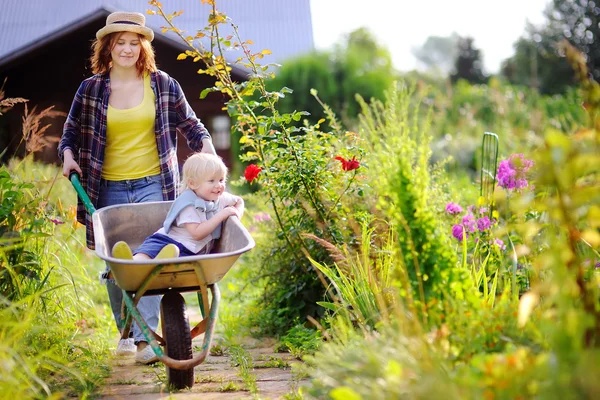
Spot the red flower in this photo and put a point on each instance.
(348, 165)
(251, 172)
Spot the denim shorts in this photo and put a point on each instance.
(154, 244)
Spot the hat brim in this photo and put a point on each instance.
(112, 28)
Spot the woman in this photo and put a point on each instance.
(121, 137)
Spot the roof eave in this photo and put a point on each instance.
(57, 34)
(104, 11)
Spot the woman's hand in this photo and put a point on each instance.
(69, 164)
(207, 147)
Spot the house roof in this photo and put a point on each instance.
(284, 27)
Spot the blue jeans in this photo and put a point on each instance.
(123, 192)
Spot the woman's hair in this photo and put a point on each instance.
(101, 59)
(202, 165)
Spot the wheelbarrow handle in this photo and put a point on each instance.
(74, 178)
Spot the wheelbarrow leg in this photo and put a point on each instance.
(138, 295)
(147, 332)
(210, 328)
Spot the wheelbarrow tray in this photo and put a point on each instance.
(132, 223)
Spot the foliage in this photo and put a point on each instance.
(22, 218)
(517, 114)
(303, 74)
(577, 21)
(300, 340)
(539, 346)
(537, 63)
(6, 103)
(297, 172)
(47, 292)
(406, 317)
(405, 189)
(363, 282)
(357, 65)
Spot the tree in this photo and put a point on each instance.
(358, 65)
(438, 53)
(537, 63)
(302, 74)
(468, 65)
(578, 21)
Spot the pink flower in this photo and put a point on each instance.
(469, 223)
(57, 222)
(262, 217)
(251, 172)
(500, 243)
(453, 208)
(512, 172)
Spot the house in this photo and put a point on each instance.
(45, 48)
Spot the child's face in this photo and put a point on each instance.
(210, 188)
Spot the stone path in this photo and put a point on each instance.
(216, 378)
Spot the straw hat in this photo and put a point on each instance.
(126, 22)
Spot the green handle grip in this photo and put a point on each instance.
(74, 178)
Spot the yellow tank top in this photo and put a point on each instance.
(131, 151)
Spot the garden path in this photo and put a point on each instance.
(216, 378)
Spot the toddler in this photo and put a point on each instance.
(194, 220)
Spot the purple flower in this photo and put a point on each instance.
(468, 222)
(56, 221)
(457, 232)
(483, 223)
(453, 208)
(500, 244)
(483, 210)
(512, 172)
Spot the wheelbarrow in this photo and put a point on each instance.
(132, 223)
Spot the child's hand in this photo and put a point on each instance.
(229, 211)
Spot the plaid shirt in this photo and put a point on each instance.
(85, 134)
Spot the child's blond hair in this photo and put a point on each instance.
(200, 166)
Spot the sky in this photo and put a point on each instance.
(401, 25)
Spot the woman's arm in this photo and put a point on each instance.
(68, 147)
(188, 124)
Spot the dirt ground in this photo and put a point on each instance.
(216, 378)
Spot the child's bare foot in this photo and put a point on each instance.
(122, 250)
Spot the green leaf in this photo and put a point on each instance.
(205, 92)
(344, 393)
(327, 305)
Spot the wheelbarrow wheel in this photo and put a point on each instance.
(178, 339)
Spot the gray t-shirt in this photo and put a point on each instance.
(193, 215)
